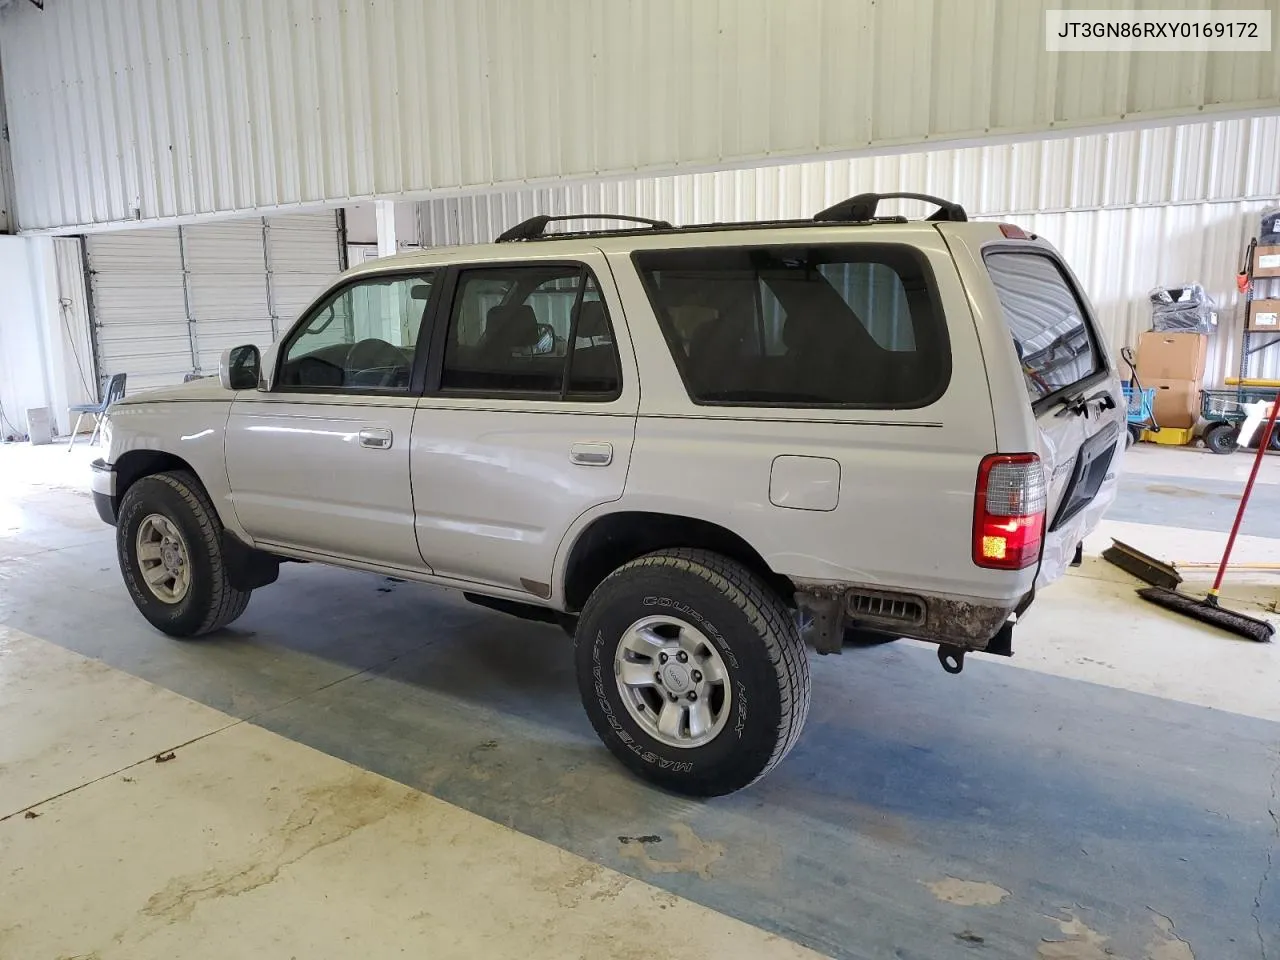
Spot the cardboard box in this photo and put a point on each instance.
(1266, 262)
(1177, 402)
(1264, 316)
(1171, 356)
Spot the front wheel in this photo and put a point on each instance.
(1221, 438)
(169, 543)
(692, 671)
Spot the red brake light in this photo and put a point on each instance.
(1009, 509)
(1013, 232)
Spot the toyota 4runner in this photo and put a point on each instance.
(691, 446)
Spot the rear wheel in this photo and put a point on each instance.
(1221, 438)
(169, 543)
(692, 671)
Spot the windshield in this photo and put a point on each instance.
(1047, 321)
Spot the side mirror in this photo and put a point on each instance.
(238, 369)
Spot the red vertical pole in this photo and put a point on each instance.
(1264, 441)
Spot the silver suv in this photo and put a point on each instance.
(680, 443)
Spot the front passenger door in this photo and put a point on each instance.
(320, 464)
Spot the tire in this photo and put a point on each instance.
(744, 624)
(209, 602)
(1133, 433)
(1221, 438)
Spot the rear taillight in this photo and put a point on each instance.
(1008, 512)
(1013, 232)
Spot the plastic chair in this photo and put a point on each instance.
(115, 390)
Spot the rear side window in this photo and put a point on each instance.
(852, 325)
(1047, 321)
(535, 330)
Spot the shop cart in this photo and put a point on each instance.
(1223, 412)
(1140, 402)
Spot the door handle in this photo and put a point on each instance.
(591, 454)
(376, 438)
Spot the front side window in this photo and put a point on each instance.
(1047, 322)
(850, 325)
(540, 330)
(362, 338)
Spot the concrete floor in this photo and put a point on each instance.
(364, 766)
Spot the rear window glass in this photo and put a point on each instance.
(854, 325)
(1047, 322)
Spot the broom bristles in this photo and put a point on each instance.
(1250, 628)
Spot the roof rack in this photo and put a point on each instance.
(535, 227)
(862, 208)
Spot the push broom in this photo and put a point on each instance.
(1207, 610)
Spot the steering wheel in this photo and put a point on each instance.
(371, 354)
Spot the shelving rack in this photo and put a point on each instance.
(1256, 342)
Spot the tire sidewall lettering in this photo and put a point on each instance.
(619, 726)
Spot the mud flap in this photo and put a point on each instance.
(247, 568)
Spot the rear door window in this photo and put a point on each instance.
(531, 330)
(1047, 321)
(848, 325)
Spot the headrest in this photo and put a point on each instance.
(801, 330)
(512, 326)
(592, 321)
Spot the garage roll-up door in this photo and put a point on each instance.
(168, 301)
(226, 288)
(303, 252)
(139, 306)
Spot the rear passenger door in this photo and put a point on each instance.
(528, 419)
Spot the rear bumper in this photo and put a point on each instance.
(967, 623)
(103, 483)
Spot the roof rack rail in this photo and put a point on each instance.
(535, 227)
(862, 208)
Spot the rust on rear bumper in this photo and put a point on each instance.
(947, 620)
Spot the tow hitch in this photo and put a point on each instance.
(951, 658)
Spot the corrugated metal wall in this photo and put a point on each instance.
(151, 109)
(1131, 210)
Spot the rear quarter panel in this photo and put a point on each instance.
(904, 515)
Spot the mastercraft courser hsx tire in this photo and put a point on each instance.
(742, 632)
(175, 506)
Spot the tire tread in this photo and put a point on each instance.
(227, 603)
(767, 613)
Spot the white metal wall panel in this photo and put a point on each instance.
(139, 306)
(72, 379)
(303, 253)
(153, 109)
(1130, 209)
